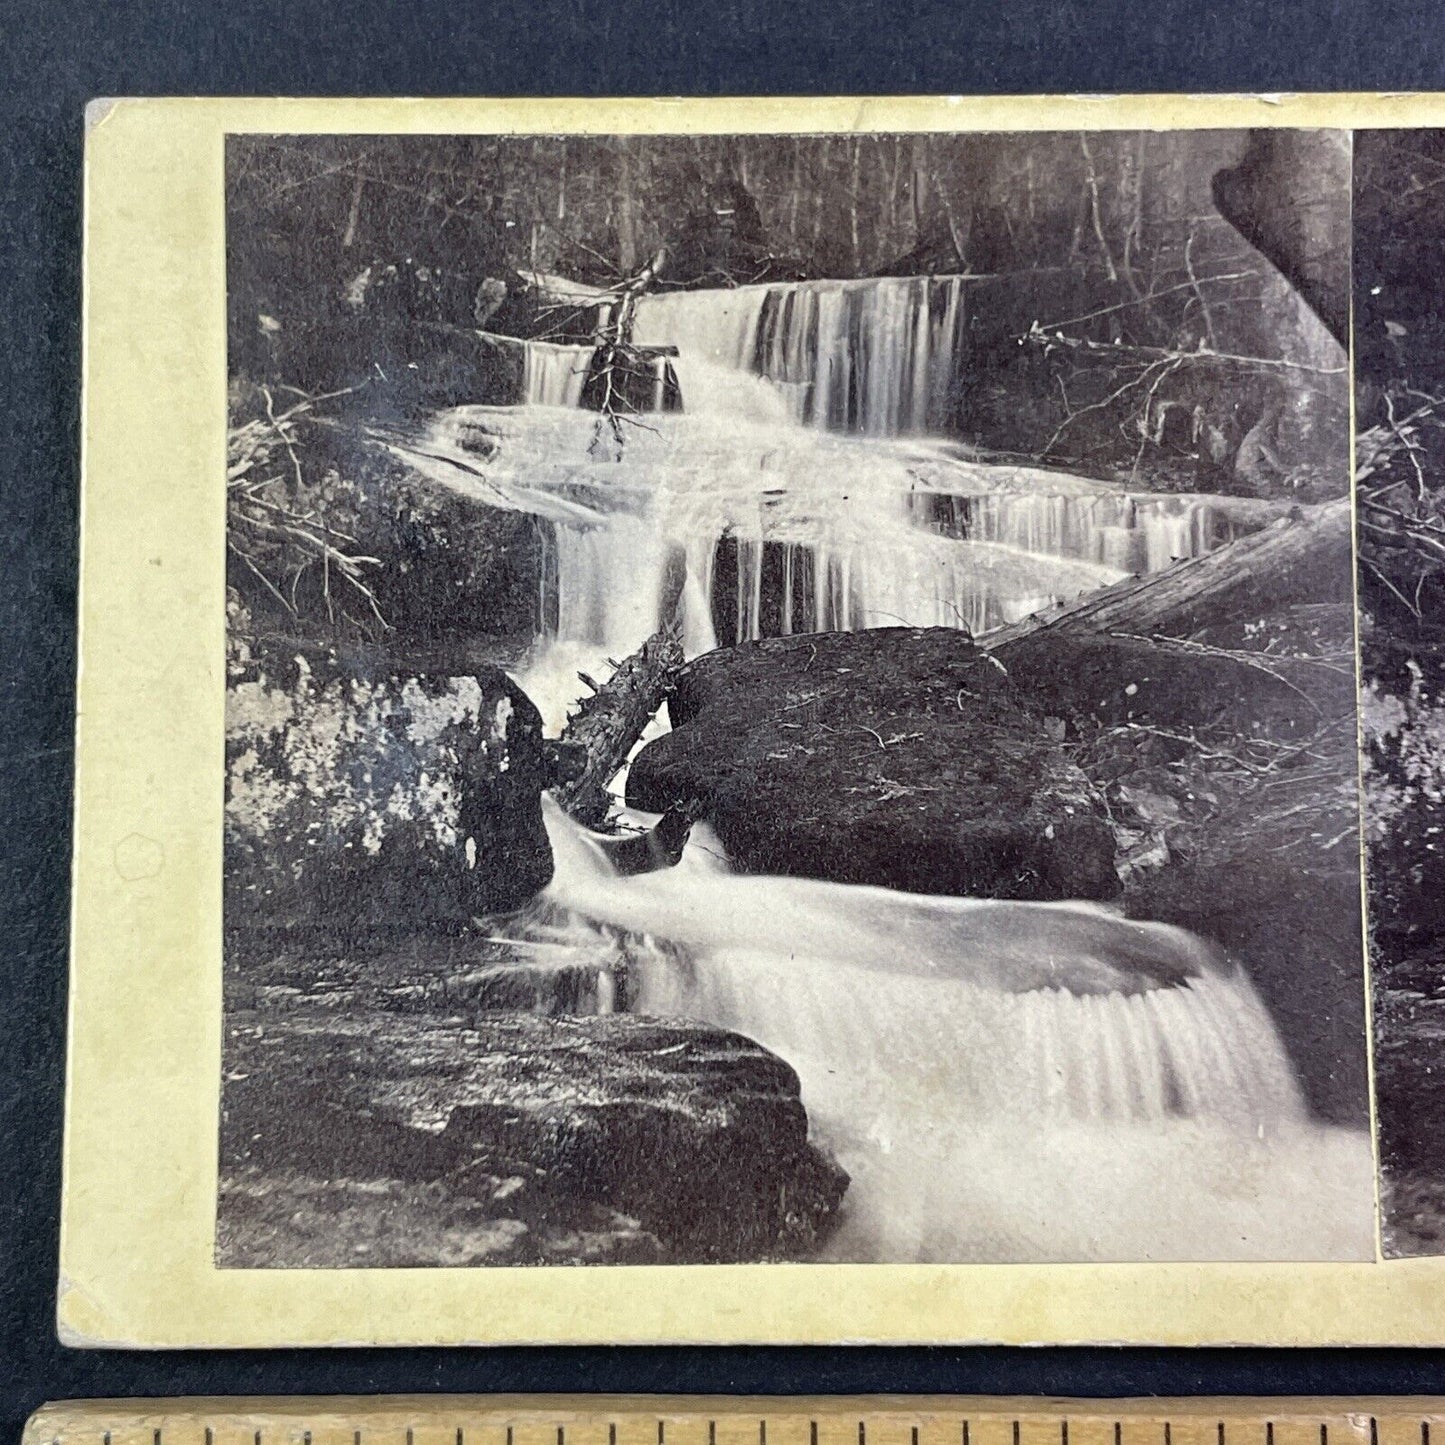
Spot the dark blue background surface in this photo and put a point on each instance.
(57, 56)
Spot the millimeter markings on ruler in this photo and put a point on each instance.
(737, 1420)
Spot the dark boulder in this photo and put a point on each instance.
(379, 801)
(897, 756)
(454, 569)
(512, 1138)
(1293, 920)
(1280, 675)
(1283, 198)
(459, 366)
(383, 972)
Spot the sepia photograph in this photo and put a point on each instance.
(1400, 499)
(792, 698)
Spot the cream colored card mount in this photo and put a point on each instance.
(737, 721)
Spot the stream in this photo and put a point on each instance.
(1003, 1081)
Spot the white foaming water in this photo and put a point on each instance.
(554, 375)
(723, 391)
(1002, 1081)
(874, 356)
(1121, 530)
(763, 528)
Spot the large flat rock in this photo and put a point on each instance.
(896, 756)
(514, 1138)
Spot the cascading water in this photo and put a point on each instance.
(1125, 531)
(554, 375)
(775, 527)
(767, 528)
(1002, 1081)
(873, 356)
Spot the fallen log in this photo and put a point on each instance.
(563, 291)
(1305, 557)
(608, 723)
(514, 345)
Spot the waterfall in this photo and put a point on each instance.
(612, 595)
(757, 529)
(742, 524)
(1003, 1081)
(875, 356)
(763, 588)
(554, 375)
(1125, 531)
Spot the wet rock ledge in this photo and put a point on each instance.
(384, 1138)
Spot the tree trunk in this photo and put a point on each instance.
(609, 722)
(619, 331)
(1285, 197)
(353, 213)
(626, 218)
(1302, 558)
(853, 202)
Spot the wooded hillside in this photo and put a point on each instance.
(1120, 323)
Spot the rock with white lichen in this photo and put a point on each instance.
(367, 800)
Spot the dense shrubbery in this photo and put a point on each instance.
(332, 537)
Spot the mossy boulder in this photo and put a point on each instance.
(378, 801)
(902, 757)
